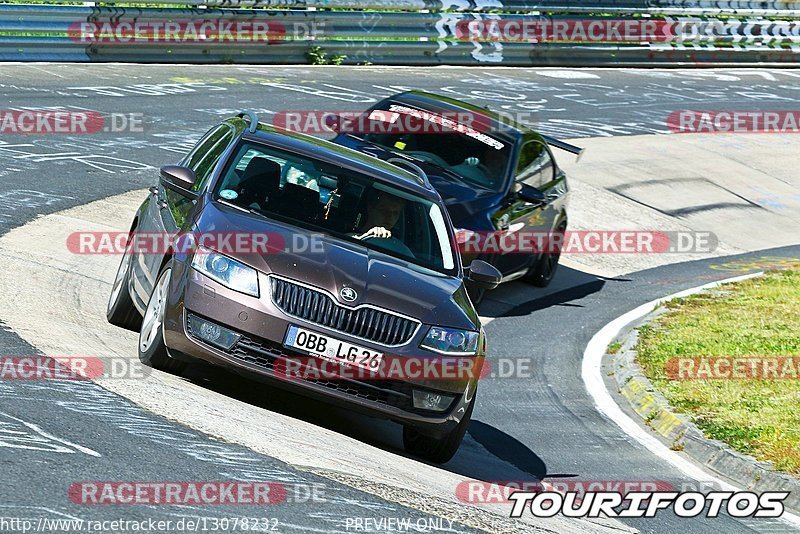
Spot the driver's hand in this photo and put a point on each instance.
(378, 232)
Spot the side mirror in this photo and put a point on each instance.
(180, 180)
(482, 275)
(528, 193)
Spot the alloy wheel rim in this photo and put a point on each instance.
(154, 316)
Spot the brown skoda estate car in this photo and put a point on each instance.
(361, 271)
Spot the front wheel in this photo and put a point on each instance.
(437, 449)
(152, 350)
(120, 310)
(545, 269)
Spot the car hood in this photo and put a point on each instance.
(331, 264)
(463, 199)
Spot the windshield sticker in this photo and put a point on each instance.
(380, 115)
(448, 123)
(228, 194)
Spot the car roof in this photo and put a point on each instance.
(501, 126)
(337, 155)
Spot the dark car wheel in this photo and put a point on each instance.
(545, 269)
(152, 350)
(120, 310)
(437, 449)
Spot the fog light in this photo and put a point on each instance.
(427, 400)
(209, 332)
(212, 333)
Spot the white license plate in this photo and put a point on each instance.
(332, 349)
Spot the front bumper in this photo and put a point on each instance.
(259, 354)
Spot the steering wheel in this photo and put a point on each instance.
(485, 170)
(430, 158)
(394, 244)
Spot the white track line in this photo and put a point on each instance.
(593, 380)
(38, 430)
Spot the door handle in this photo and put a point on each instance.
(153, 190)
(162, 204)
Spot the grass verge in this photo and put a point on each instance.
(755, 319)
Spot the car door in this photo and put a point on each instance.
(167, 212)
(534, 174)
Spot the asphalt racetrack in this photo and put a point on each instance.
(544, 427)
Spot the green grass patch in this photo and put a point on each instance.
(760, 318)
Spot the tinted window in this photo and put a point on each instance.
(326, 198)
(204, 167)
(202, 159)
(206, 142)
(470, 152)
(535, 167)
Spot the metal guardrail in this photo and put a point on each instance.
(655, 7)
(402, 37)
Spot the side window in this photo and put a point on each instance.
(201, 160)
(535, 167)
(194, 156)
(203, 169)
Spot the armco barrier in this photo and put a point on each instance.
(660, 7)
(561, 37)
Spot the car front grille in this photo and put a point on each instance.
(272, 356)
(364, 322)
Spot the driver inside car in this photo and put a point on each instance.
(483, 169)
(383, 212)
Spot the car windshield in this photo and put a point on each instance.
(468, 151)
(327, 198)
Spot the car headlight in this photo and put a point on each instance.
(451, 341)
(227, 271)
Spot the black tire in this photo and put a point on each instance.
(152, 350)
(438, 450)
(120, 310)
(545, 269)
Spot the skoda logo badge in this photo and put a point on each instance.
(348, 294)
